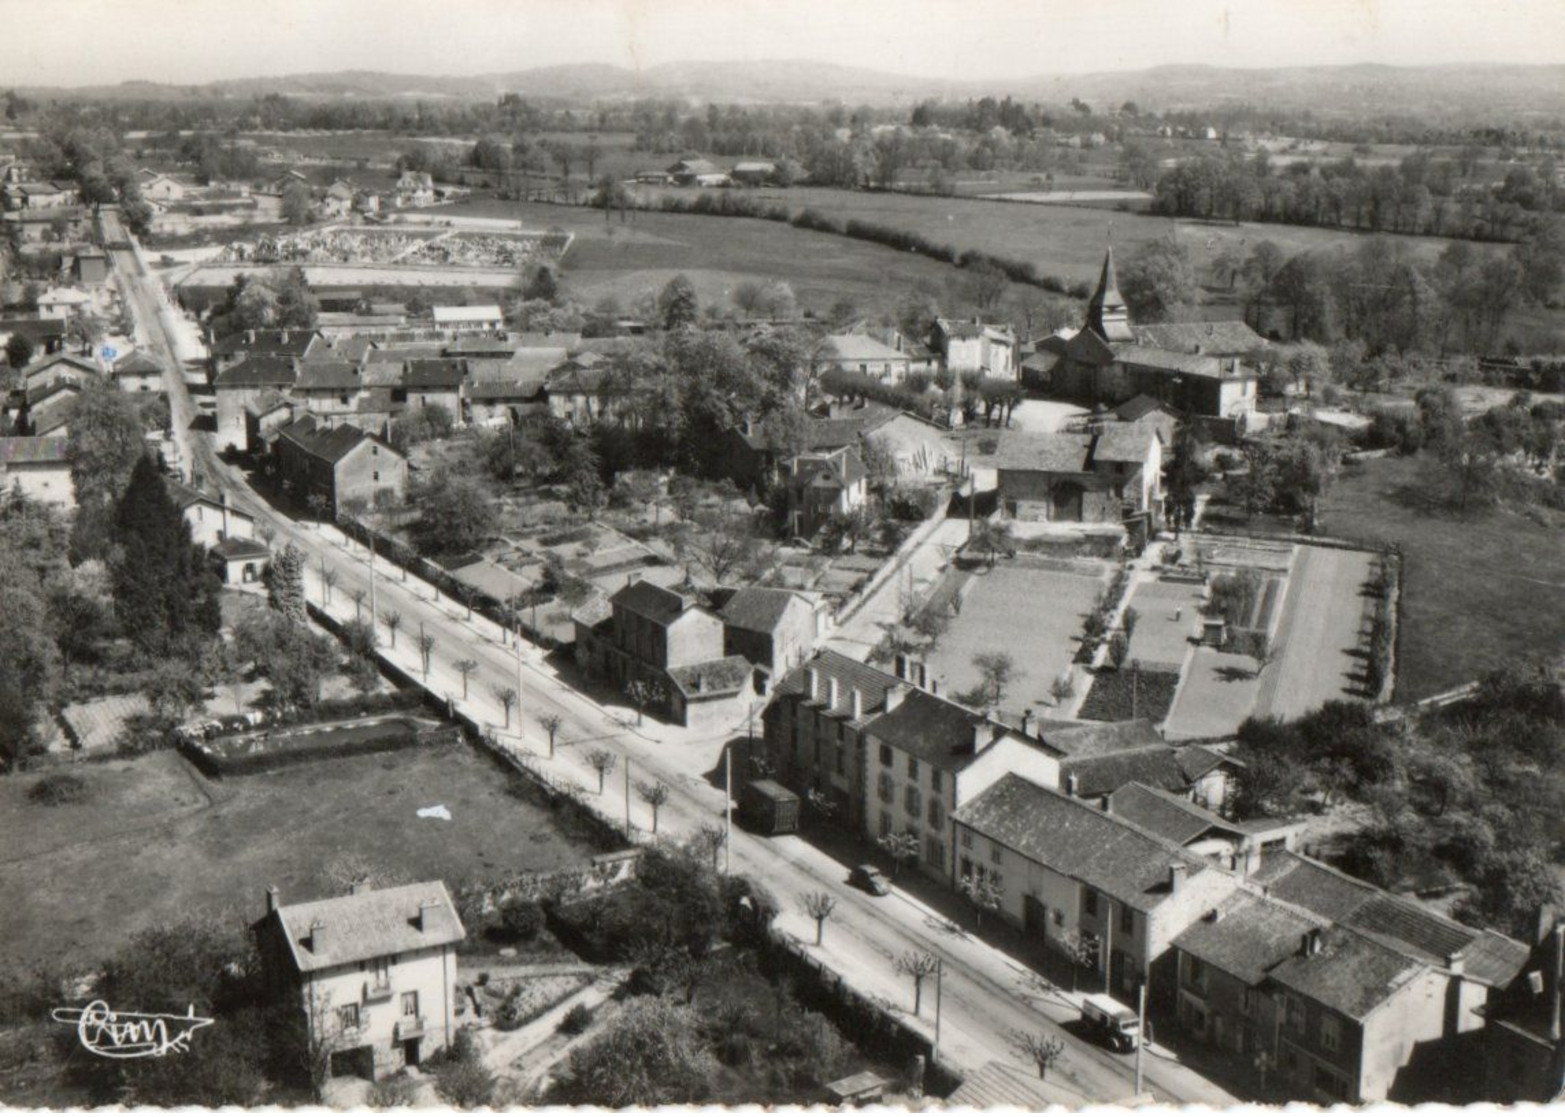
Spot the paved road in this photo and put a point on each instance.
(987, 995)
(1320, 630)
(883, 608)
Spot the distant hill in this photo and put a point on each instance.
(1526, 91)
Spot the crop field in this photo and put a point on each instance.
(627, 261)
(155, 840)
(1476, 591)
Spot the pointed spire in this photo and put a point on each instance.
(1107, 314)
(1108, 284)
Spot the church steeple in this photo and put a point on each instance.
(1107, 314)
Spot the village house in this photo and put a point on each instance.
(159, 187)
(456, 320)
(861, 354)
(37, 469)
(691, 172)
(374, 973)
(822, 485)
(240, 387)
(1066, 872)
(583, 389)
(63, 302)
(1107, 475)
(775, 629)
(211, 519)
(40, 195)
(1524, 1044)
(413, 188)
(138, 372)
(47, 407)
(328, 386)
(433, 382)
(239, 562)
(672, 643)
(341, 464)
(1099, 758)
(972, 345)
(1241, 846)
(1336, 984)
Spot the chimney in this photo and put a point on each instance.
(274, 899)
(1215, 915)
(894, 697)
(318, 937)
(857, 697)
(1176, 875)
(1070, 784)
(633, 577)
(1029, 723)
(358, 888)
(831, 693)
(982, 735)
(426, 920)
(1455, 962)
(934, 687)
(815, 683)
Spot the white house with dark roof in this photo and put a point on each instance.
(374, 972)
(211, 519)
(862, 354)
(775, 629)
(37, 468)
(138, 372)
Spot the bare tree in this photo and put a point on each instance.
(328, 580)
(899, 847)
(506, 696)
(426, 645)
(465, 668)
(818, 906)
(602, 761)
(551, 724)
(653, 795)
(359, 597)
(709, 841)
(1043, 1050)
(643, 693)
(393, 621)
(917, 965)
(1062, 688)
(996, 670)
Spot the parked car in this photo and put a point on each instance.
(871, 879)
(1112, 1024)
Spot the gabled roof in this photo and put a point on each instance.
(871, 683)
(1124, 442)
(1111, 855)
(292, 343)
(835, 470)
(52, 360)
(1247, 935)
(1096, 738)
(935, 730)
(327, 374)
(137, 364)
(438, 372)
(711, 678)
(1186, 364)
(1158, 766)
(1139, 407)
(238, 550)
(491, 391)
(652, 601)
(1350, 973)
(1222, 339)
(758, 608)
(369, 925)
(329, 445)
(856, 347)
(1161, 812)
(1044, 452)
(259, 370)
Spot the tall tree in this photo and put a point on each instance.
(162, 590)
(285, 579)
(677, 303)
(106, 441)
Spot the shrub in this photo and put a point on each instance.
(58, 789)
(577, 1020)
(521, 919)
(389, 1093)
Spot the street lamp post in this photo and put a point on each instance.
(940, 968)
(1141, 1032)
(728, 810)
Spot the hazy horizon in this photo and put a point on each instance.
(184, 42)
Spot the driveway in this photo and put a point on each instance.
(1320, 634)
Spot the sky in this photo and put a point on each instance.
(90, 42)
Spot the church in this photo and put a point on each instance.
(1199, 368)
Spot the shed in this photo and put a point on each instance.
(864, 1088)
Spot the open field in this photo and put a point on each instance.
(155, 840)
(627, 261)
(1476, 591)
(1034, 614)
(1321, 637)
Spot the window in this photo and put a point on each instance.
(936, 815)
(885, 823)
(374, 450)
(1330, 1082)
(1330, 1033)
(376, 475)
(348, 1017)
(1089, 902)
(934, 852)
(410, 1004)
(1197, 973)
(1127, 921)
(840, 767)
(967, 868)
(911, 802)
(996, 853)
(934, 779)
(885, 756)
(967, 839)
(1059, 917)
(1295, 1014)
(887, 789)
(912, 768)
(382, 971)
(997, 880)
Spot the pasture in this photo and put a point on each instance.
(155, 840)
(1477, 591)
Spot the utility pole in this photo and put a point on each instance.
(728, 810)
(373, 614)
(1141, 1031)
(940, 969)
(627, 797)
(516, 647)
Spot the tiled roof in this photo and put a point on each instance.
(235, 550)
(592, 612)
(504, 390)
(838, 469)
(1046, 452)
(1176, 819)
(266, 403)
(330, 445)
(933, 729)
(1228, 339)
(1124, 442)
(871, 683)
(34, 451)
(325, 374)
(1101, 775)
(292, 343)
(1249, 936)
(137, 364)
(439, 372)
(1138, 407)
(1109, 854)
(370, 925)
(1099, 737)
(996, 1085)
(1188, 364)
(480, 347)
(1350, 973)
(857, 347)
(711, 677)
(54, 360)
(1196, 761)
(646, 599)
(758, 608)
(1401, 924)
(259, 370)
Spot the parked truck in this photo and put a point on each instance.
(767, 807)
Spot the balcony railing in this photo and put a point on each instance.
(409, 1027)
(377, 989)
